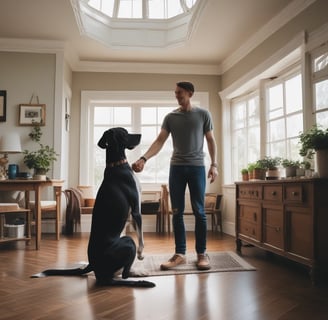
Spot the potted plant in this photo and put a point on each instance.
(41, 159)
(250, 169)
(315, 141)
(270, 164)
(244, 174)
(259, 170)
(290, 167)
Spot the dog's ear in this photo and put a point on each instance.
(103, 142)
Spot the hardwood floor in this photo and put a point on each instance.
(277, 290)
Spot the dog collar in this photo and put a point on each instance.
(116, 163)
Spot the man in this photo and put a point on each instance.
(188, 125)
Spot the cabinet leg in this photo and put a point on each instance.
(238, 245)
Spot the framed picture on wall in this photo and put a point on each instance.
(31, 114)
(3, 101)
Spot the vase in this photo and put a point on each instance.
(322, 163)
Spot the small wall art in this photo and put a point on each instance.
(3, 101)
(31, 114)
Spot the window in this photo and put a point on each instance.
(280, 130)
(136, 9)
(284, 116)
(137, 23)
(108, 115)
(245, 126)
(320, 86)
(131, 110)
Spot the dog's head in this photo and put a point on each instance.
(119, 139)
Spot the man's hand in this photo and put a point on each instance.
(212, 174)
(138, 166)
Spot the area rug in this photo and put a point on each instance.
(223, 261)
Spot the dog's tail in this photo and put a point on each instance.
(83, 269)
(127, 283)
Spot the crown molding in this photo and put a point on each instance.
(286, 15)
(31, 45)
(137, 67)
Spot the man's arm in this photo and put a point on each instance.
(211, 145)
(154, 148)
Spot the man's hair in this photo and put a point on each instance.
(186, 85)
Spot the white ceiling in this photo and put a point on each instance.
(226, 30)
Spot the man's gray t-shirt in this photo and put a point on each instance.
(187, 129)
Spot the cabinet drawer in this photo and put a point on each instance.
(250, 213)
(294, 193)
(272, 193)
(249, 229)
(273, 224)
(250, 192)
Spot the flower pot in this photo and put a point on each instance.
(300, 172)
(245, 177)
(322, 163)
(272, 174)
(258, 174)
(290, 172)
(40, 177)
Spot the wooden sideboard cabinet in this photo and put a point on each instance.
(286, 217)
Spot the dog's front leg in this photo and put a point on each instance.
(138, 226)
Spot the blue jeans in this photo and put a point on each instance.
(195, 178)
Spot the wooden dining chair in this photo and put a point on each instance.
(50, 210)
(212, 208)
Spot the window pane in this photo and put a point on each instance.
(276, 101)
(254, 137)
(294, 94)
(253, 112)
(148, 135)
(294, 125)
(321, 95)
(277, 149)
(276, 130)
(130, 9)
(293, 148)
(322, 119)
(156, 9)
(103, 115)
(148, 115)
(239, 115)
(162, 112)
(122, 116)
(321, 62)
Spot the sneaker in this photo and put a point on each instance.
(203, 262)
(176, 260)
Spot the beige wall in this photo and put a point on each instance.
(23, 74)
(309, 20)
(135, 82)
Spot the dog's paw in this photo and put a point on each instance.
(138, 273)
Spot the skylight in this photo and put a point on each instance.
(137, 23)
(142, 9)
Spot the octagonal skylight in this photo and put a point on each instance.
(137, 23)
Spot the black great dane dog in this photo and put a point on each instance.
(117, 197)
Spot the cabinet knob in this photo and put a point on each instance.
(277, 229)
(274, 193)
(254, 216)
(294, 193)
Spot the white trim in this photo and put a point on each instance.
(284, 57)
(317, 38)
(136, 33)
(286, 15)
